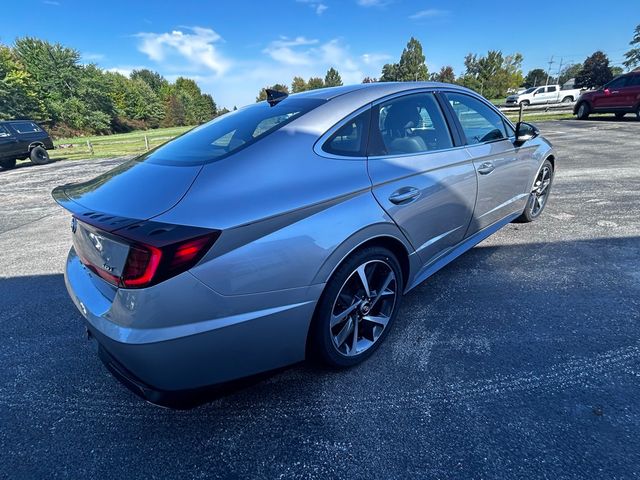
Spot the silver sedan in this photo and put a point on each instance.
(291, 228)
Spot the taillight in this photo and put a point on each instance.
(141, 266)
(156, 252)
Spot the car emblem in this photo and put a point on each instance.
(74, 224)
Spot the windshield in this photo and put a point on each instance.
(530, 90)
(230, 133)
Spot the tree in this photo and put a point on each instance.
(632, 57)
(369, 80)
(332, 78)
(410, 68)
(18, 91)
(535, 77)
(390, 73)
(314, 83)
(595, 71)
(616, 71)
(263, 93)
(445, 75)
(298, 85)
(153, 79)
(569, 72)
(175, 113)
(492, 75)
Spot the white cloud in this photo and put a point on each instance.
(316, 5)
(126, 69)
(194, 53)
(428, 13)
(196, 47)
(284, 50)
(374, 58)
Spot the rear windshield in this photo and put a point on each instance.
(230, 133)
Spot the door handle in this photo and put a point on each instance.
(485, 168)
(404, 195)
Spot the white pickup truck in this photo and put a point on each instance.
(543, 94)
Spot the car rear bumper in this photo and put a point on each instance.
(156, 341)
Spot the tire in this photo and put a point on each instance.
(620, 115)
(8, 164)
(39, 155)
(345, 301)
(583, 111)
(525, 103)
(567, 100)
(534, 208)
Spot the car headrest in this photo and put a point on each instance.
(401, 116)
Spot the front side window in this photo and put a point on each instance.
(633, 81)
(479, 122)
(617, 83)
(4, 132)
(351, 138)
(408, 124)
(230, 132)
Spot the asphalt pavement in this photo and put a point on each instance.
(521, 359)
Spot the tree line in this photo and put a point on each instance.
(494, 75)
(47, 82)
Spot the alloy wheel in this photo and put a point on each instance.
(540, 191)
(363, 307)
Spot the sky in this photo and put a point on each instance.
(234, 48)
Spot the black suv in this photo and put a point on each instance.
(20, 139)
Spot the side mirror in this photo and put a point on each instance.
(524, 132)
(607, 91)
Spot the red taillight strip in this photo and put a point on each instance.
(155, 255)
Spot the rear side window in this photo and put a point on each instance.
(479, 122)
(231, 132)
(26, 127)
(408, 124)
(551, 89)
(350, 139)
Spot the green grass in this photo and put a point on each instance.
(116, 145)
(513, 116)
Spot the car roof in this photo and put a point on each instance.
(369, 89)
(18, 121)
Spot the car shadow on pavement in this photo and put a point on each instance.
(494, 290)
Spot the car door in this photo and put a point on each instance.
(538, 96)
(420, 174)
(8, 143)
(551, 95)
(612, 96)
(633, 91)
(502, 175)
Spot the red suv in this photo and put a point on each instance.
(620, 96)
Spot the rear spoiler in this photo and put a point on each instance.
(105, 222)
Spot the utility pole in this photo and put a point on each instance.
(560, 71)
(551, 62)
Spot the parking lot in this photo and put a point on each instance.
(521, 359)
